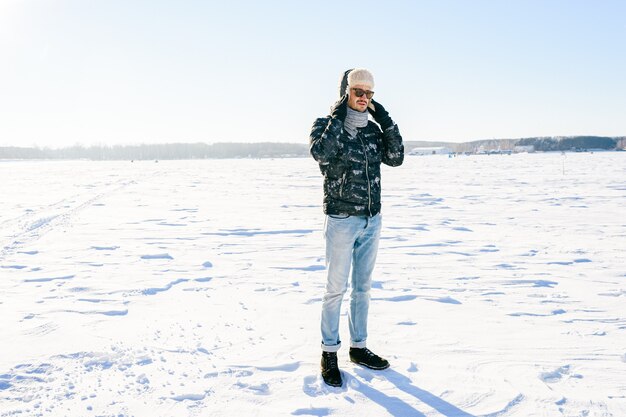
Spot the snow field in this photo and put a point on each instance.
(194, 288)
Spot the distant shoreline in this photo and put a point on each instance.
(307, 157)
(190, 151)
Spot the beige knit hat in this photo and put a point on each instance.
(361, 76)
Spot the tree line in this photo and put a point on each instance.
(160, 151)
(570, 143)
(284, 150)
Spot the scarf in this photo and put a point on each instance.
(353, 120)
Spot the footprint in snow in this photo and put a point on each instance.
(319, 412)
(558, 374)
(259, 389)
(157, 256)
(189, 397)
(444, 300)
(102, 248)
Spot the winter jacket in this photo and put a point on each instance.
(351, 165)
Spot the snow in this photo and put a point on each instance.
(193, 288)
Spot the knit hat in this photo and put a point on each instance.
(355, 76)
(361, 76)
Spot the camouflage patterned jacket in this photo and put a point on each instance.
(351, 166)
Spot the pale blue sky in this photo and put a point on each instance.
(149, 71)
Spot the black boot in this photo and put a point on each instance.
(365, 357)
(330, 369)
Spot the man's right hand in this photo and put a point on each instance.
(340, 109)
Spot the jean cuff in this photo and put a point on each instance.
(358, 345)
(331, 348)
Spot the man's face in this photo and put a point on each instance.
(358, 103)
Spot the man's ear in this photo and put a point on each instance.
(371, 106)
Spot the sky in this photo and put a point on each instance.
(108, 72)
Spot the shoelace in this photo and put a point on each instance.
(371, 355)
(332, 361)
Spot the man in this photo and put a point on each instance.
(349, 149)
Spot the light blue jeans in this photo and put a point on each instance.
(350, 242)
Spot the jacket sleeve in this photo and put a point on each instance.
(393, 148)
(324, 140)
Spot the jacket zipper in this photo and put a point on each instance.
(367, 175)
(343, 182)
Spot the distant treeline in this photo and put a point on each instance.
(570, 143)
(284, 150)
(539, 144)
(161, 151)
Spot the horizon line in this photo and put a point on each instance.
(94, 145)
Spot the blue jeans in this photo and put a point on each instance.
(351, 241)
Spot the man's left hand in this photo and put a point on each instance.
(380, 115)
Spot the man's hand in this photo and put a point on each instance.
(380, 115)
(340, 109)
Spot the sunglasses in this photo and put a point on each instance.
(359, 93)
